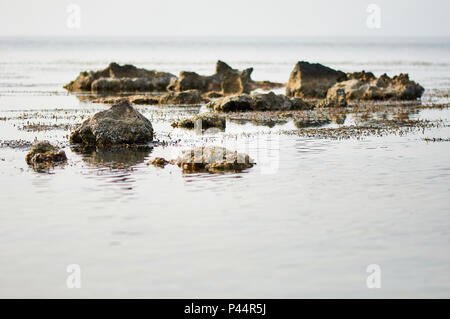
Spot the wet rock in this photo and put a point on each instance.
(336, 100)
(257, 102)
(144, 100)
(159, 162)
(311, 80)
(43, 154)
(226, 80)
(185, 97)
(365, 86)
(117, 78)
(213, 159)
(121, 124)
(202, 121)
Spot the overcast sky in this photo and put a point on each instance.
(224, 18)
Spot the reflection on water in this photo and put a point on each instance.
(114, 157)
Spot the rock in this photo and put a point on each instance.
(159, 162)
(311, 80)
(121, 124)
(365, 86)
(336, 100)
(213, 159)
(185, 97)
(108, 100)
(43, 154)
(202, 121)
(143, 100)
(117, 78)
(257, 102)
(226, 80)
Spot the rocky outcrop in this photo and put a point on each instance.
(202, 121)
(43, 154)
(117, 78)
(365, 86)
(213, 159)
(257, 102)
(311, 80)
(226, 80)
(121, 124)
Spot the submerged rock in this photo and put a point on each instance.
(226, 80)
(365, 86)
(311, 122)
(176, 98)
(121, 124)
(213, 159)
(43, 154)
(311, 80)
(257, 102)
(117, 78)
(158, 161)
(202, 121)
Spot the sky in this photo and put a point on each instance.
(411, 18)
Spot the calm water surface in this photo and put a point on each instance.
(305, 222)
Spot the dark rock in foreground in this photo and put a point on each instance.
(311, 80)
(43, 154)
(117, 78)
(213, 159)
(202, 121)
(365, 86)
(257, 102)
(121, 124)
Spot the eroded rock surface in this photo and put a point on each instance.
(213, 159)
(311, 80)
(338, 99)
(43, 154)
(117, 78)
(226, 80)
(257, 102)
(121, 124)
(365, 86)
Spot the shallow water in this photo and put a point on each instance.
(306, 221)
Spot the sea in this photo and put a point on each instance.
(365, 217)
